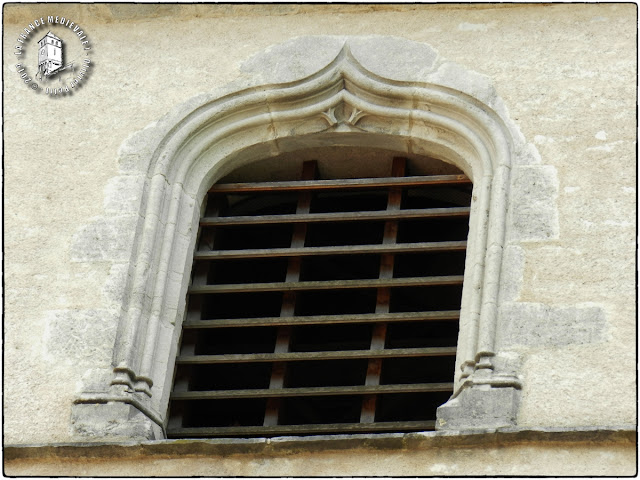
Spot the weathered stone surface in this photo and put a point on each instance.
(104, 421)
(114, 288)
(479, 86)
(96, 380)
(533, 203)
(529, 154)
(570, 399)
(508, 363)
(134, 154)
(105, 239)
(80, 337)
(536, 324)
(552, 451)
(293, 60)
(123, 194)
(526, 453)
(391, 57)
(512, 273)
(394, 57)
(479, 408)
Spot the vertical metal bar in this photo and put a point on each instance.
(188, 342)
(283, 340)
(182, 379)
(205, 242)
(378, 336)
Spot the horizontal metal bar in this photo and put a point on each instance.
(337, 216)
(332, 250)
(327, 285)
(348, 183)
(313, 391)
(324, 319)
(273, 430)
(297, 356)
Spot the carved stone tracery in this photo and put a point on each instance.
(343, 116)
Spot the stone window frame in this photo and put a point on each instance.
(379, 92)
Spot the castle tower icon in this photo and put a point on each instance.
(49, 54)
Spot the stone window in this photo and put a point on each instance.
(355, 94)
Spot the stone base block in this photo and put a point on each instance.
(479, 408)
(113, 421)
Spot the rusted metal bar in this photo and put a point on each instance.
(383, 299)
(301, 429)
(325, 319)
(341, 184)
(332, 250)
(328, 284)
(312, 391)
(408, 214)
(302, 356)
(278, 369)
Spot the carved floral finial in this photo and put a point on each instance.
(355, 117)
(330, 116)
(340, 118)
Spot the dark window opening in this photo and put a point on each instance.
(322, 306)
(336, 302)
(326, 373)
(315, 410)
(320, 338)
(339, 233)
(238, 305)
(340, 267)
(349, 202)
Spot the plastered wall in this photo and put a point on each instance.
(566, 73)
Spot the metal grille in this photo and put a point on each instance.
(322, 306)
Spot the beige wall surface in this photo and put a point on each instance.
(567, 74)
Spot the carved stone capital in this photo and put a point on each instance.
(123, 375)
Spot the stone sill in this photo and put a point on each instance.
(625, 434)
